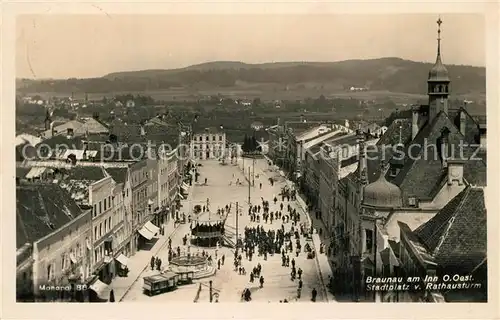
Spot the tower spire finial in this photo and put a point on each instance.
(439, 22)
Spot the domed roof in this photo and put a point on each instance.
(438, 71)
(382, 193)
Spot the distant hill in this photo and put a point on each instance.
(388, 74)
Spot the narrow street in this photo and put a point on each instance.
(222, 189)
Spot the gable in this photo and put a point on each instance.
(422, 170)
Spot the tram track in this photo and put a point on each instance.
(147, 264)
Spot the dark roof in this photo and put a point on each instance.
(22, 172)
(134, 152)
(372, 167)
(25, 151)
(40, 210)
(86, 173)
(421, 173)
(471, 126)
(118, 174)
(457, 236)
(62, 140)
(131, 133)
(391, 136)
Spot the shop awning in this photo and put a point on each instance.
(185, 186)
(122, 259)
(101, 289)
(146, 233)
(180, 196)
(151, 227)
(35, 172)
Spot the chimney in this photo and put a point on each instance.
(69, 133)
(462, 121)
(414, 122)
(278, 121)
(456, 172)
(444, 147)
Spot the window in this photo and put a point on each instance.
(63, 262)
(412, 201)
(104, 204)
(94, 213)
(100, 207)
(213, 138)
(220, 138)
(100, 229)
(206, 138)
(95, 233)
(105, 226)
(369, 240)
(49, 272)
(393, 172)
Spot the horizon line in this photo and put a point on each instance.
(245, 63)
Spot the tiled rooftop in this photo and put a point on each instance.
(40, 210)
(457, 236)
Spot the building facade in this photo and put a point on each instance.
(208, 145)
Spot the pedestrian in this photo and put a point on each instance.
(152, 263)
(293, 263)
(218, 264)
(300, 283)
(299, 273)
(314, 293)
(223, 258)
(261, 280)
(251, 277)
(158, 264)
(260, 185)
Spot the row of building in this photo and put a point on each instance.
(407, 200)
(85, 208)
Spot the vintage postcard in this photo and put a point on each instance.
(214, 157)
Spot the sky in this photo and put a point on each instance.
(83, 46)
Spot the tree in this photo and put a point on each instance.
(253, 144)
(245, 147)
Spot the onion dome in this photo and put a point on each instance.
(438, 72)
(382, 193)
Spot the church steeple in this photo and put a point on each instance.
(438, 82)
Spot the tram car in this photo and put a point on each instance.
(160, 283)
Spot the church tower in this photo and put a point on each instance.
(438, 83)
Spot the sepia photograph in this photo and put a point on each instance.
(300, 159)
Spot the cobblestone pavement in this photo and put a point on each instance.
(222, 189)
